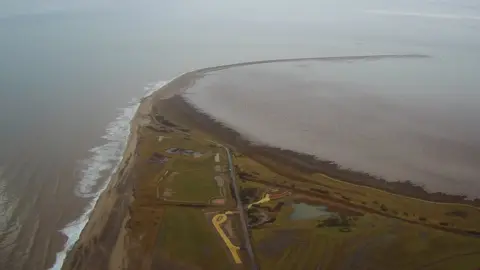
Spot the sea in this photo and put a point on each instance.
(72, 75)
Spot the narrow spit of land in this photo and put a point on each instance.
(192, 194)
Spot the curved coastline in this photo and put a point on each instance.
(204, 122)
(187, 79)
(306, 162)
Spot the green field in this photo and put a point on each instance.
(357, 240)
(187, 238)
(193, 181)
(183, 178)
(387, 245)
(373, 242)
(170, 223)
(448, 215)
(367, 229)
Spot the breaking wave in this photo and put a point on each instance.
(104, 159)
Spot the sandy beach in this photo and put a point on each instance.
(101, 243)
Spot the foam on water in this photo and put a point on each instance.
(105, 158)
(9, 224)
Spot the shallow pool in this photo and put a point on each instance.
(306, 211)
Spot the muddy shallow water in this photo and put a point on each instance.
(400, 119)
(306, 211)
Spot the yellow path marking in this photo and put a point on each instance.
(266, 198)
(217, 220)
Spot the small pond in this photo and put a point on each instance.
(306, 211)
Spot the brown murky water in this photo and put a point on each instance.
(387, 117)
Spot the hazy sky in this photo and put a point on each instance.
(30, 7)
(257, 10)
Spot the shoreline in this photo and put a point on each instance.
(110, 212)
(304, 162)
(183, 81)
(111, 207)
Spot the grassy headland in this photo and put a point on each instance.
(171, 206)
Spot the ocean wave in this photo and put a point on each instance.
(104, 159)
(10, 226)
